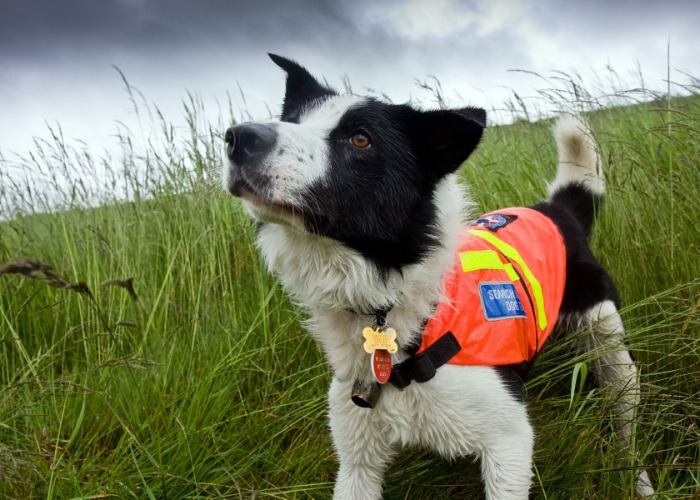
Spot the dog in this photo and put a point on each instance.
(428, 323)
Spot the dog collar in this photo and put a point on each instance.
(422, 367)
(419, 367)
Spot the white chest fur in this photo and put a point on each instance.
(331, 280)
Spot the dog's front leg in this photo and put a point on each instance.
(363, 448)
(506, 461)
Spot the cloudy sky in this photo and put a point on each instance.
(57, 58)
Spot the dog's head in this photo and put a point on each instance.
(354, 169)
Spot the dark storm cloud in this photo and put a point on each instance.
(32, 32)
(43, 30)
(232, 33)
(56, 57)
(36, 29)
(175, 40)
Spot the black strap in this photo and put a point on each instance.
(422, 367)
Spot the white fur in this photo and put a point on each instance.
(330, 279)
(463, 410)
(300, 156)
(579, 162)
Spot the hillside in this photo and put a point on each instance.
(144, 352)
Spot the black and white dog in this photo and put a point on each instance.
(362, 219)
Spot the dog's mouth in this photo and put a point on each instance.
(263, 204)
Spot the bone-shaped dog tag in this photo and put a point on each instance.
(376, 339)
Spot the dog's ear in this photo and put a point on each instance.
(476, 114)
(444, 139)
(301, 88)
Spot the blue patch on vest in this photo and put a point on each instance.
(500, 301)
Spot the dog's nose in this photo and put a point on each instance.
(249, 141)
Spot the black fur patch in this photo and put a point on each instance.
(302, 89)
(513, 378)
(582, 204)
(379, 200)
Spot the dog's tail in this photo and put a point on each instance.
(579, 184)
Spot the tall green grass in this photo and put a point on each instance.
(145, 353)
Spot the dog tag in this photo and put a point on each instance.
(381, 365)
(376, 339)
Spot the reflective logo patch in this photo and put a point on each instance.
(500, 301)
(492, 222)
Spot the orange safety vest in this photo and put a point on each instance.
(505, 291)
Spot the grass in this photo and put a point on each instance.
(145, 353)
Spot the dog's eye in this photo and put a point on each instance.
(360, 140)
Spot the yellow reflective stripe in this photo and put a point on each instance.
(511, 253)
(486, 259)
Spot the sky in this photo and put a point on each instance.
(58, 59)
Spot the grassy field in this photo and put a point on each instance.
(145, 353)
